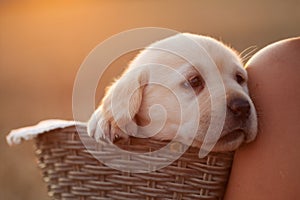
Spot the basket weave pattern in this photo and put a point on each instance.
(71, 172)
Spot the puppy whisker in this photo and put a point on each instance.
(247, 53)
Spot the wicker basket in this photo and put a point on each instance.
(72, 172)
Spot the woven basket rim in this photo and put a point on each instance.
(71, 172)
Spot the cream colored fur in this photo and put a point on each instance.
(154, 99)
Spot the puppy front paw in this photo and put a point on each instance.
(100, 128)
(97, 128)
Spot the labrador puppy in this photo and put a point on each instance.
(174, 89)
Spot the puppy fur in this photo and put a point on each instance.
(165, 93)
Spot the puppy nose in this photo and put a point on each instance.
(240, 108)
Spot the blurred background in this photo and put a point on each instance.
(43, 43)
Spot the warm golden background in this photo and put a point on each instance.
(42, 44)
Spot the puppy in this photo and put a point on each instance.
(176, 88)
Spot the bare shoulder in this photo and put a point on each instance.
(268, 168)
(281, 51)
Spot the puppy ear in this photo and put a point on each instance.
(115, 116)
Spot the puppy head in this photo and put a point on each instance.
(167, 85)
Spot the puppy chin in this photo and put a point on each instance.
(230, 141)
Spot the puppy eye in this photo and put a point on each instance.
(196, 82)
(240, 79)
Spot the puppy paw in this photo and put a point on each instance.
(100, 128)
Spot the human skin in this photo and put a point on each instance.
(269, 168)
